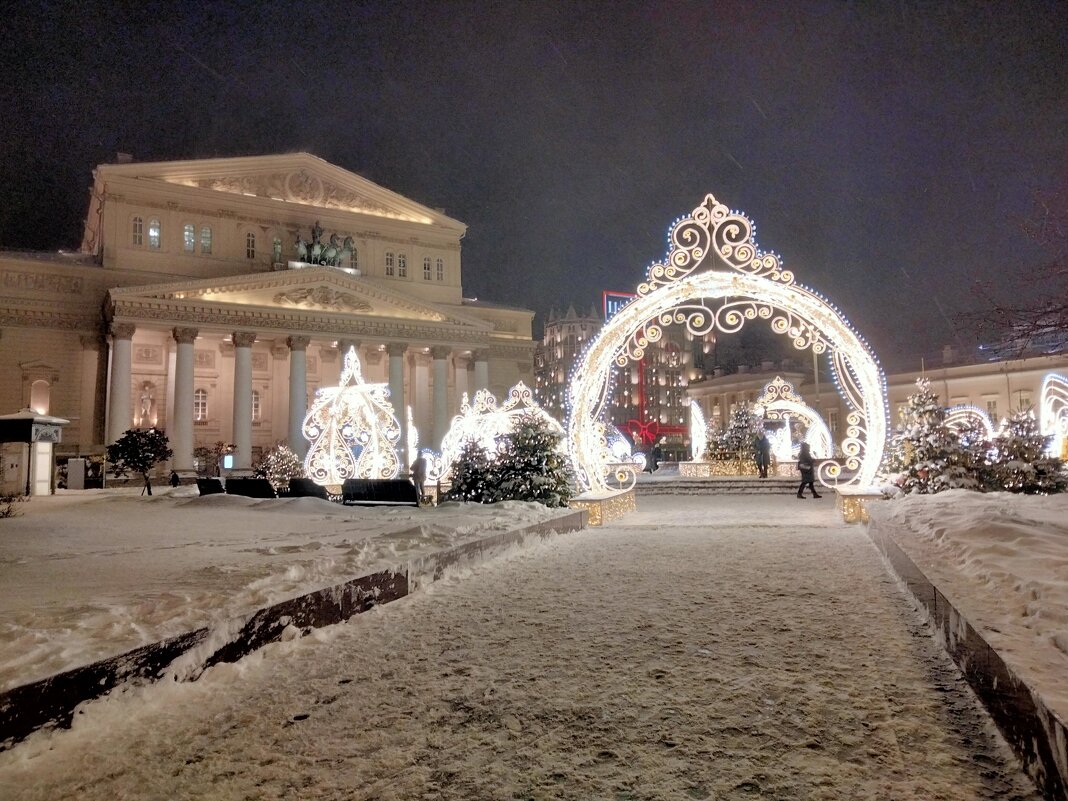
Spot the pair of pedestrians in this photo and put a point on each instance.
(805, 463)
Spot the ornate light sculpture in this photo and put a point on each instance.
(484, 422)
(1053, 413)
(781, 402)
(698, 432)
(352, 430)
(963, 414)
(686, 290)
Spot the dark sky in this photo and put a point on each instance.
(889, 152)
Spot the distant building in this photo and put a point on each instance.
(211, 298)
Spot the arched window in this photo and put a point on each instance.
(205, 240)
(426, 268)
(189, 238)
(255, 405)
(138, 232)
(250, 245)
(39, 396)
(441, 269)
(276, 250)
(354, 259)
(402, 265)
(389, 262)
(200, 404)
(155, 234)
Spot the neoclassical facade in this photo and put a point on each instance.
(212, 298)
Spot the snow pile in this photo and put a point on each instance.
(86, 575)
(1002, 560)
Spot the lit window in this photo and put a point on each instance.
(200, 404)
(389, 262)
(276, 250)
(255, 404)
(992, 408)
(402, 266)
(354, 260)
(441, 269)
(138, 232)
(426, 268)
(189, 237)
(154, 233)
(250, 245)
(205, 240)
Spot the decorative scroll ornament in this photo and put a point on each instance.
(352, 430)
(1053, 413)
(781, 402)
(322, 297)
(484, 422)
(779, 389)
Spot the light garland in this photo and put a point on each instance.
(755, 286)
(352, 430)
(1053, 413)
(779, 402)
(698, 432)
(963, 415)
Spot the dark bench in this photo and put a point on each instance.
(210, 486)
(379, 492)
(306, 488)
(250, 487)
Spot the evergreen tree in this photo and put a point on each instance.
(279, 465)
(138, 451)
(1020, 460)
(925, 452)
(471, 475)
(736, 441)
(531, 467)
(976, 450)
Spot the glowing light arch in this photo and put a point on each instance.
(754, 287)
(780, 402)
(1053, 412)
(964, 414)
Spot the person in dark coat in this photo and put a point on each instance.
(419, 467)
(762, 453)
(807, 465)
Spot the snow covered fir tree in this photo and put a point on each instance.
(1021, 461)
(279, 465)
(736, 441)
(531, 466)
(471, 475)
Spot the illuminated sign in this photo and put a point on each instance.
(614, 301)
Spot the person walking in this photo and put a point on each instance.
(419, 467)
(807, 465)
(762, 453)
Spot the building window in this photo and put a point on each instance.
(205, 240)
(189, 238)
(39, 396)
(138, 237)
(255, 405)
(155, 233)
(426, 268)
(250, 245)
(354, 259)
(832, 421)
(441, 269)
(389, 262)
(200, 404)
(1023, 399)
(402, 266)
(276, 250)
(992, 409)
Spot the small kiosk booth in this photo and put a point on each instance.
(27, 441)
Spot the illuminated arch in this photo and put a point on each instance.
(781, 402)
(964, 414)
(688, 290)
(1053, 412)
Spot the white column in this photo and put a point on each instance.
(440, 353)
(461, 382)
(119, 419)
(421, 412)
(87, 429)
(243, 399)
(481, 369)
(396, 352)
(298, 393)
(182, 420)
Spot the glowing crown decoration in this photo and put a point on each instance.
(749, 285)
(1053, 413)
(352, 430)
(781, 402)
(484, 422)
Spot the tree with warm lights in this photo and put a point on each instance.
(925, 453)
(472, 473)
(736, 441)
(530, 465)
(1021, 462)
(138, 450)
(279, 465)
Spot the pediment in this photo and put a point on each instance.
(318, 290)
(299, 178)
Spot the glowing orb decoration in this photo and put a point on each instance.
(686, 290)
(484, 422)
(352, 430)
(698, 432)
(781, 402)
(621, 448)
(964, 414)
(1053, 413)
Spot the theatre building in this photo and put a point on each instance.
(212, 298)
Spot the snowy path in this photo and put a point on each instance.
(681, 655)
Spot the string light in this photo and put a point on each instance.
(1053, 413)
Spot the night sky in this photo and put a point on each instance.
(889, 152)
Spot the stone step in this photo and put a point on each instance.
(727, 486)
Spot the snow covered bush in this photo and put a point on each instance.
(470, 475)
(209, 459)
(279, 465)
(530, 465)
(1021, 463)
(138, 451)
(7, 505)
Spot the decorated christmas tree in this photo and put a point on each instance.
(1021, 463)
(976, 453)
(925, 453)
(279, 465)
(471, 474)
(531, 465)
(736, 441)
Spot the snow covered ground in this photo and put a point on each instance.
(86, 575)
(1002, 561)
(703, 647)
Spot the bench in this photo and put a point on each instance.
(306, 488)
(210, 486)
(379, 492)
(250, 487)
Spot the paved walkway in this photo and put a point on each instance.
(685, 654)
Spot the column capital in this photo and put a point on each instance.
(298, 343)
(396, 348)
(243, 339)
(185, 336)
(122, 330)
(481, 355)
(440, 351)
(91, 341)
